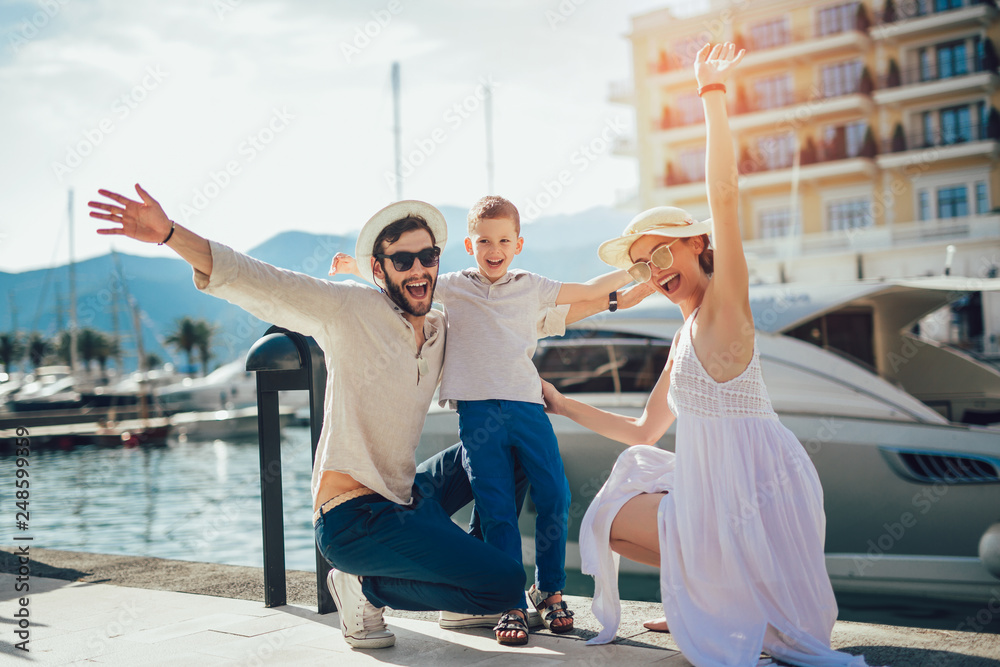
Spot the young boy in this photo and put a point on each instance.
(489, 378)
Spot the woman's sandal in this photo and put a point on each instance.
(551, 612)
(512, 620)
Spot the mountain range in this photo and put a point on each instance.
(560, 247)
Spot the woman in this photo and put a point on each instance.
(735, 520)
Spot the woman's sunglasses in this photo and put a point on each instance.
(403, 261)
(661, 258)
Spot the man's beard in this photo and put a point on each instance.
(397, 293)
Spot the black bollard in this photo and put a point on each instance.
(284, 361)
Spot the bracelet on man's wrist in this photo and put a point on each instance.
(173, 225)
(711, 86)
(613, 301)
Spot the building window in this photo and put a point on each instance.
(686, 50)
(776, 151)
(836, 19)
(924, 56)
(841, 78)
(956, 125)
(692, 163)
(848, 214)
(690, 109)
(952, 60)
(982, 198)
(924, 205)
(773, 92)
(945, 5)
(927, 126)
(774, 223)
(843, 141)
(952, 202)
(770, 34)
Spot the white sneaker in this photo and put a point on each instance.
(360, 621)
(452, 620)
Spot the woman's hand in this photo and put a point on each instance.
(714, 64)
(634, 295)
(142, 221)
(553, 398)
(343, 264)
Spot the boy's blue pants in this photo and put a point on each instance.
(498, 436)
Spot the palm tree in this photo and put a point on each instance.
(107, 346)
(185, 338)
(205, 332)
(38, 347)
(87, 343)
(153, 360)
(11, 350)
(63, 348)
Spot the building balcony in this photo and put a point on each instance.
(925, 83)
(681, 187)
(964, 141)
(919, 19)
(621, 92)
(879, 237)
(748, 112)
(752, 113)
(806, 46)
(798, 46)
(829, 163)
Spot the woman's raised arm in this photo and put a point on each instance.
(713, 67)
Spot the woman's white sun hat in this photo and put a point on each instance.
(667, 221)
(410, 208)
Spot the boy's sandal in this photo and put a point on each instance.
(512, 621)
(551, 612)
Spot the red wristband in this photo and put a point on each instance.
(711, 86)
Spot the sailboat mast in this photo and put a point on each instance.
(73, 353)
(139, 350)
(488, 109)
(397, 131)
(114, 314)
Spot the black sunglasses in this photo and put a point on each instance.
(403, 261)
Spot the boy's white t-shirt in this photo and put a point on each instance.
(492, 334)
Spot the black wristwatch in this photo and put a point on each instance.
(613, 301)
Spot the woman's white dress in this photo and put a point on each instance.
(741, 528)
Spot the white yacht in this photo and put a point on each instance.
(904, 431)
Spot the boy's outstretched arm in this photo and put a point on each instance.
(597, 288)
(626, 299)
(344, 265)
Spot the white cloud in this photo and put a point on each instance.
(326, 170)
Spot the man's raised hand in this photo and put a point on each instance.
(140, 220)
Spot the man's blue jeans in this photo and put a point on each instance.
(414, 556)
(500, 439)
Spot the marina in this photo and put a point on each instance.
(199, 502)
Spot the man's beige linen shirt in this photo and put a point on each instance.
(379, 385)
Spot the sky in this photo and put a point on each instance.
(245, 118)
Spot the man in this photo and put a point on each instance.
(376, 513)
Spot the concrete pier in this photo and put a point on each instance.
(103, 609)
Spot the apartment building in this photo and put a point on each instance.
(867, 135)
